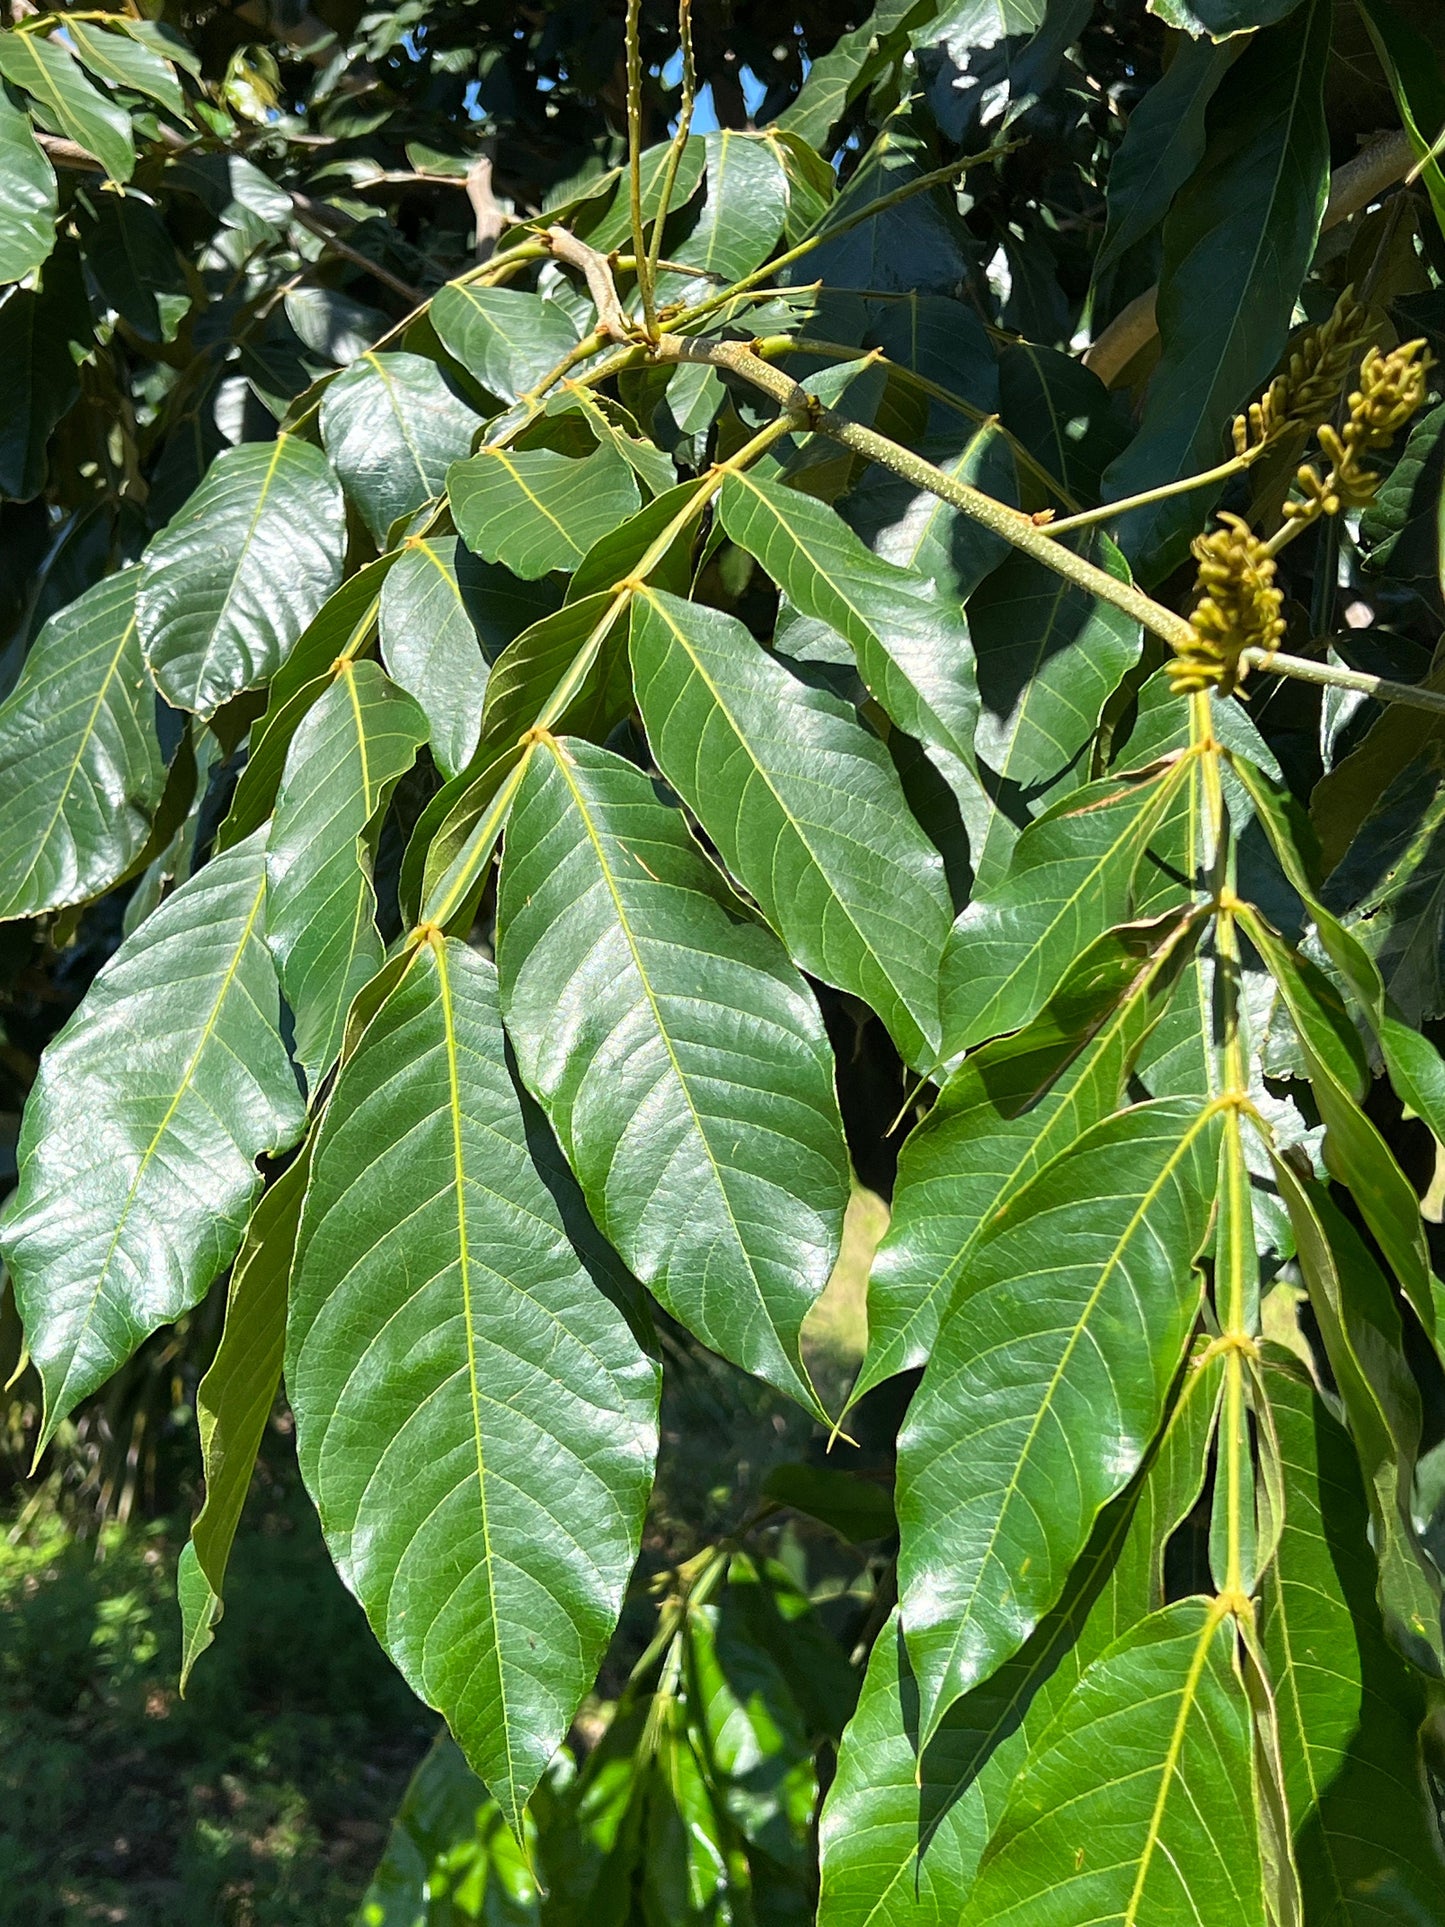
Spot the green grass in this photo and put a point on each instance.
(261, 1800)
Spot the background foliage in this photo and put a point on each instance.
(849, 851)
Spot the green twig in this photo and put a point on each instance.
(675, 151)
(634, 165)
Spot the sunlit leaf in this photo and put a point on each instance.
(392, 428)
(804, 806)
(1135, 1804)
(1046, 1385)
(80, 764)
(677, 1054)
(344, 759)
(535, 510)
(230, 585)
(138, 1158)
(474, 1416)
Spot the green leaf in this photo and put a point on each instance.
(752, 1730)
(446, 616)
(614, 230)
(138, 1159)
(1046, 1385)
(448, 1838)
(1001, 1116)
(804, 806)
(902, 1830)
(1065, 418)
(916, 246)
(1135, 1805)
(811, 182)
(615, 556)
(1163, 143)
(838, 77)
(38, 379)
(611, 423)
(1070, 879)
(509, 341)
(126, 61)
(80, 765)
(578, 648)
(1400, 529)
(454, 864)
(534, 510)
(747, 202)
(1354, 1151)
(1366, 1840)
(1360, 1326)
(475, 1419)
(343, 763)
(30, 204)
(1049, 657)
(912, 646)
(1236, 245)
(341, 630)
(135, 267)
(1359, 783)
(677, 1055)
(228, 587)
(853, 1507)
(67, 102)
(1411, 61)
(392, 428)
(1390, 884)
(234, 1402)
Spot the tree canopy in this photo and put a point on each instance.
(621, 628)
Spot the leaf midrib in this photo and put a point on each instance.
(208, 1030)
(624, 923)
(1114, 1259)
(793, 822)
(86, 735)
(454, 1106)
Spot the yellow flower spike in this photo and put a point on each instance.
(1237, 607)
(1307, 390)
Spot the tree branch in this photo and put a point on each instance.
(1352, 187)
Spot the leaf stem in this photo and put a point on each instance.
(1107, 511)
(1330, 677)
(466, 871)
(634, 166)
(770, 346)
(675, 151)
